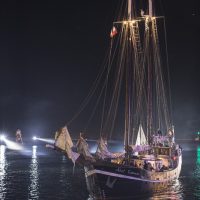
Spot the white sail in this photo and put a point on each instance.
(141, 139)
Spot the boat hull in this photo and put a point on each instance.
(104, 182)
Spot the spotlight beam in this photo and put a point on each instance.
(12, 145)
(48, 140)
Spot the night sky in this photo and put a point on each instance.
(51, 52)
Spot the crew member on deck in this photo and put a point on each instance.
(159, 132)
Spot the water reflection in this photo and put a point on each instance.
(198, 155)
(63, 174)
(3, 166)
(197, 175)
(174, 192)
(34, 176)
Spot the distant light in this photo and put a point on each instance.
(2, 137)
(34, 138)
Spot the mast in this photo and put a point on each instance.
(127, 97)
(129, 9)
(150, 8)
(149, 76)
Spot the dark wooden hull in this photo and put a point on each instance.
(107, 181)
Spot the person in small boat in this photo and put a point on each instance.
(18, 136)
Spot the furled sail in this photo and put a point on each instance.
(83, 148)
(102, 151)
(64, 142)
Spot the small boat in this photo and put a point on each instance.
(19, 136)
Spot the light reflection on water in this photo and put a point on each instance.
(63, 174)
(197, 175)
(34, 176)
(36, 173)
(174, 192)
(3, 166)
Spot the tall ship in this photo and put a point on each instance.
(136, 77)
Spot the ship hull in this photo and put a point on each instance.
(104, 182)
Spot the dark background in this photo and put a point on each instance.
(51, 52)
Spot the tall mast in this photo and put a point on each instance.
(127, 98)
(150, 8)
(129, 9)
(150, 71)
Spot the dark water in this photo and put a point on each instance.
(40, 173)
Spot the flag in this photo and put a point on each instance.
(113, 32)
